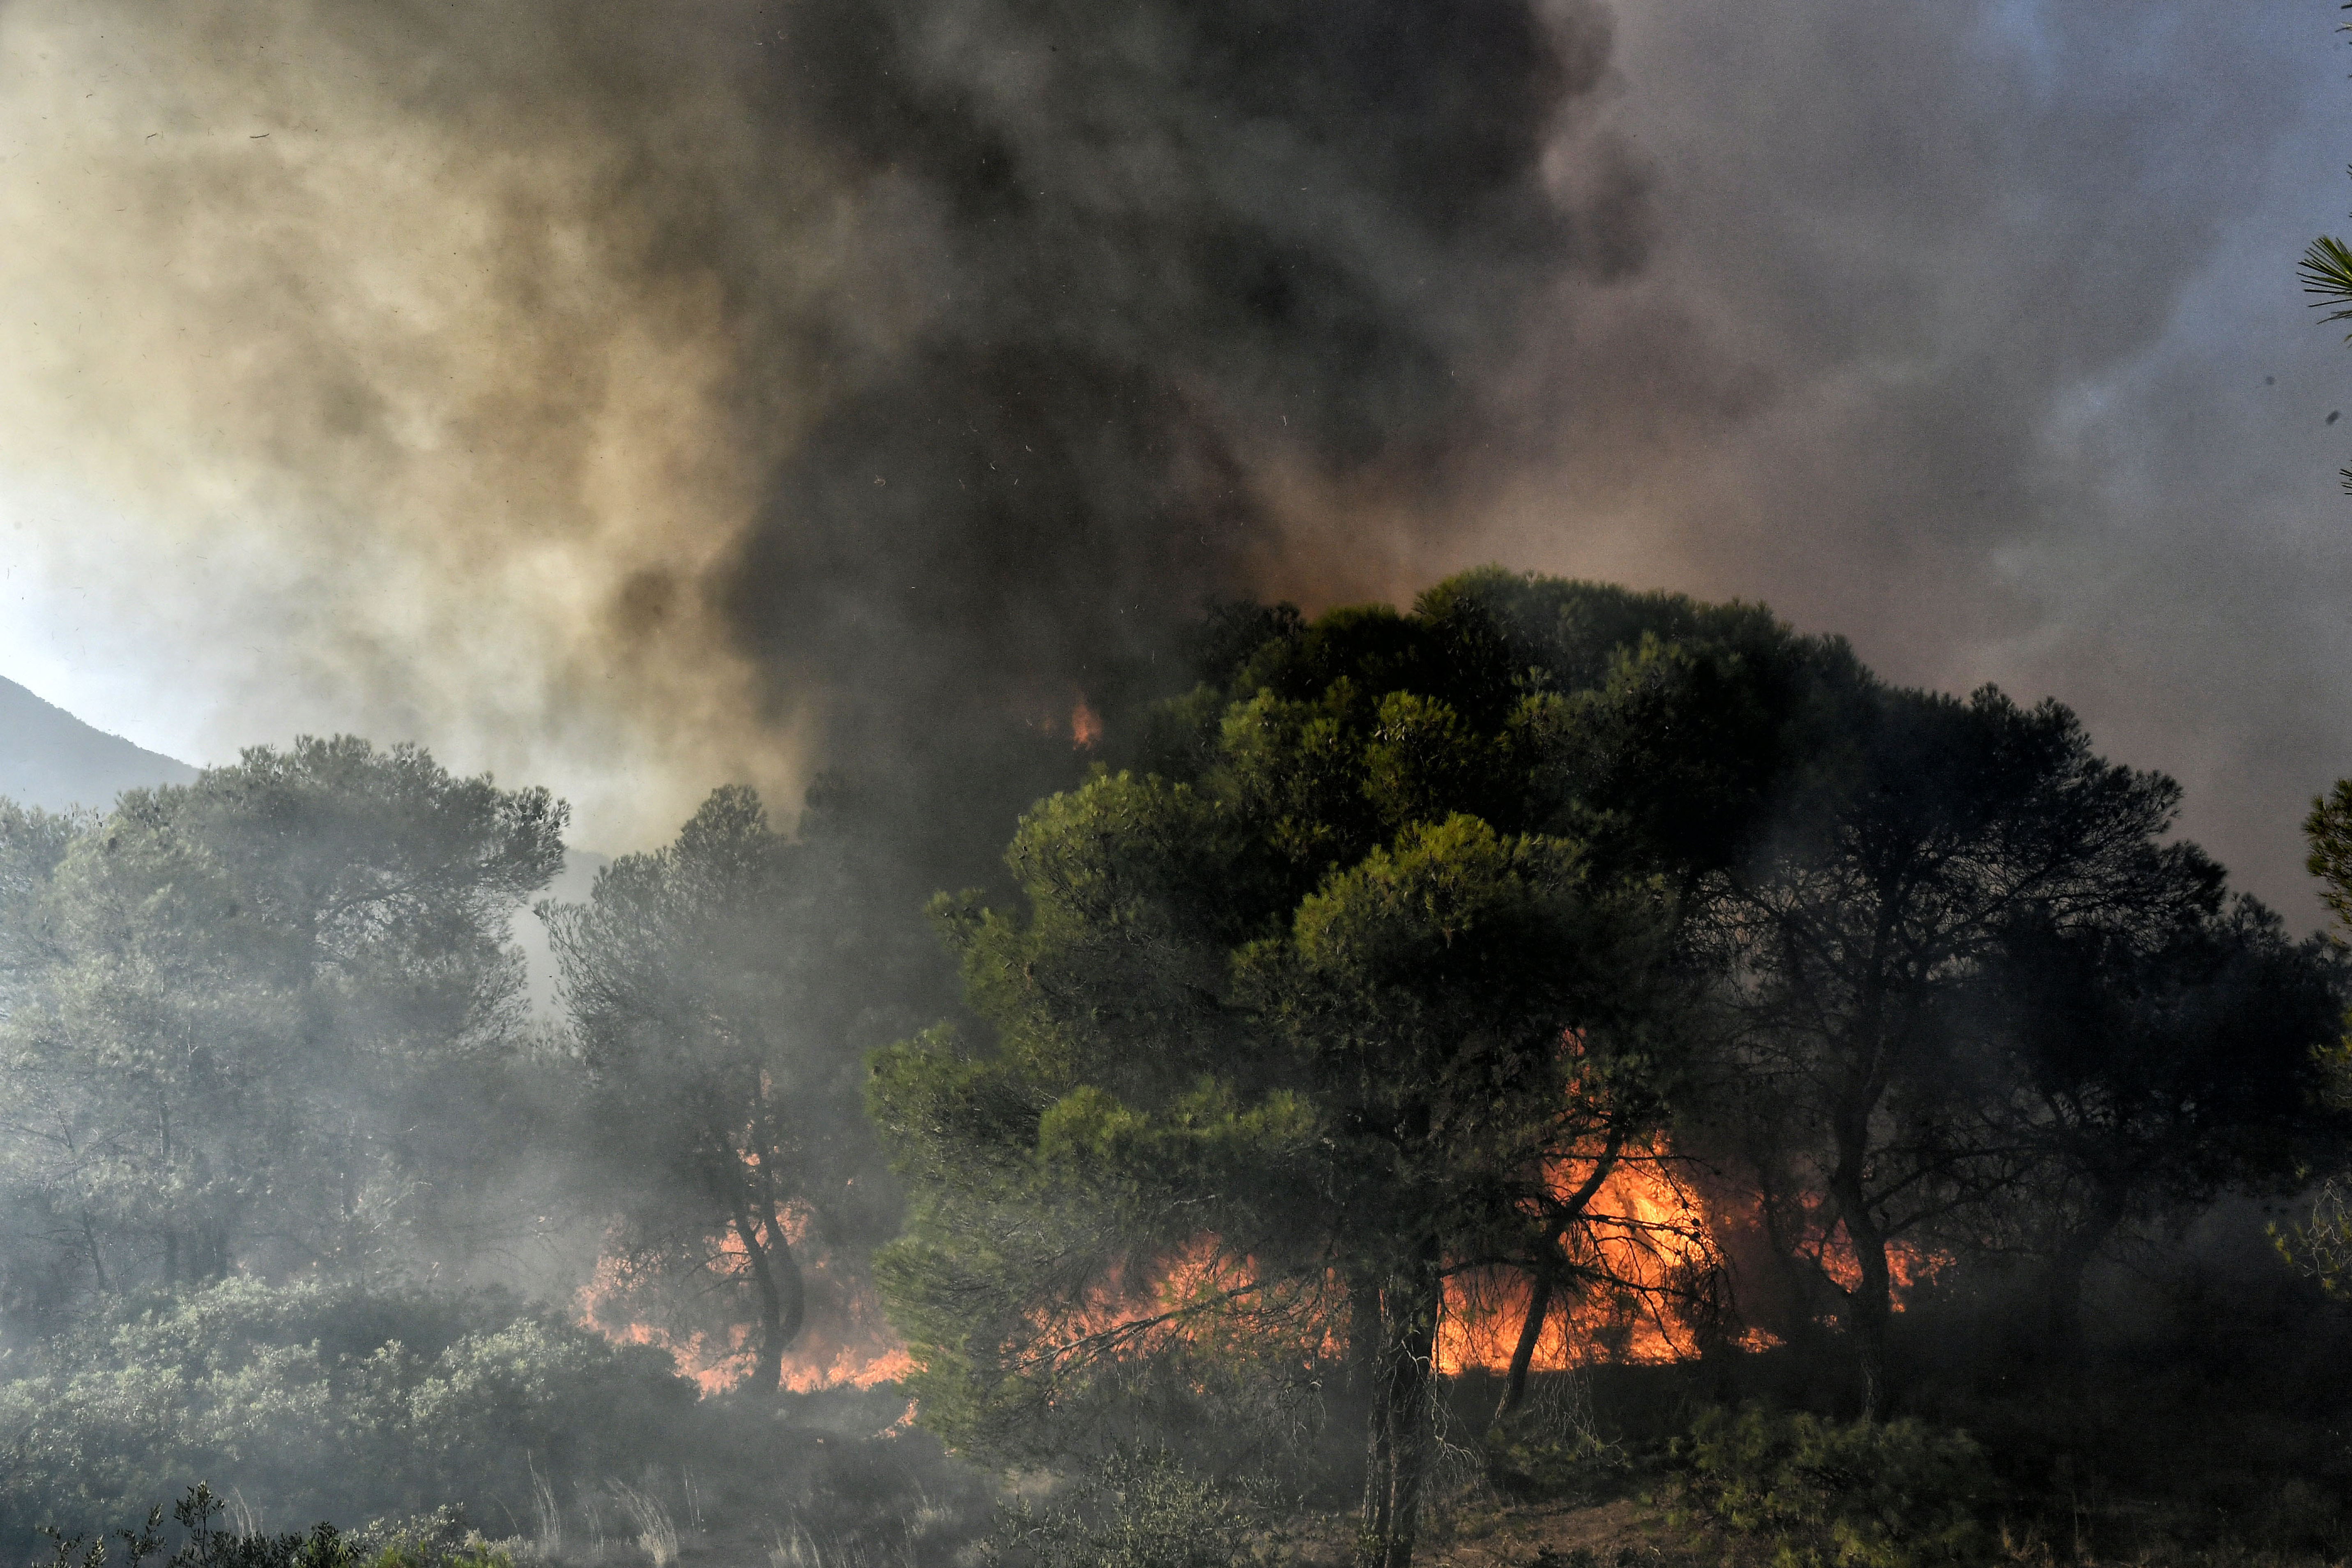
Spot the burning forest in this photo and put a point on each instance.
(1401, 1076)
(971, 937)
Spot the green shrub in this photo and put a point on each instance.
(1551, 1444)
(1866, 1494)
(436, 1540)
(1135, 1509)
(315, 1402)
(1525, 1463)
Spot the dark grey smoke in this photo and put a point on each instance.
(1955, 340)
(996, 335)
(635, 396)
(1164, 244)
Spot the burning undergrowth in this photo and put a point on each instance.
(696, 1313)
(1417, 1077)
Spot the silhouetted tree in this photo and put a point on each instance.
(1909, 852)
(1324, 1010)
(2158, 1060)
(2322, 1246)
(696, 980)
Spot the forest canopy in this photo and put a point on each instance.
(1545, 976)
(1405, 939)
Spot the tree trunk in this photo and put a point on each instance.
(777, 1278)
(2062, 1285)
(171, 1232)
(1515, 1387)
(1870, 1301)
(1367, 1345)
(790, 1287)
(2063, 1299)
(1398, 1447)
(1379, 1480)
(1523, 1354)
(97, 1259)
(1870, 1304)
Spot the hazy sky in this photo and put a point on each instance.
(630, 398)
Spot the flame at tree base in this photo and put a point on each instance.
(1647, 1287)
(693, 1313)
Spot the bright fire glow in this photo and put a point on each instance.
(1651, 1236)
(1642, 1229)
(844, 1340)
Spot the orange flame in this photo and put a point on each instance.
(1909, 1267)
(1192, 1296)
(1085, 727)
(844, 1340)
(1644, 1230)
(1648, 1235)
(1651, 1238)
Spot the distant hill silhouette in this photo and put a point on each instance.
(50, 759)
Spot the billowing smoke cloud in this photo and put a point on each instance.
(635, 396)
(747, 384)
(1972, 332)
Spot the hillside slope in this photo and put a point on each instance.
(50, 759)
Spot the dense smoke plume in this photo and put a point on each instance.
(633, 397)
(740, 374)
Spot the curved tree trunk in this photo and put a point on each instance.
(2062, 1284)
(1515, 1385)
(1523, 1354)
(776, 1276)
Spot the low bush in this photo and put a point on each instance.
(1552, 1447)
(1137, 1508)
(207, 1543)
(1865, 1494)
(317, 1402)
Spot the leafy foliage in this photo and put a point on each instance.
(1863, 1494)
(1530, 1451)
(1317, 1008)
(423, 1399)
(2327, 270)
(261, 1021)
(2328, 830)
(1135, 1508)
(1891, 1065)
(720, 1084)
(2321, 1247)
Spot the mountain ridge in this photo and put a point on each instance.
(54, 761)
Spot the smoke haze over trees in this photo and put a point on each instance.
(255, 1021)
(870, 432)
(1398, 959)
(1550, 963)
(570, 344)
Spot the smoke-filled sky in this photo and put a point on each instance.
(631, 397)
